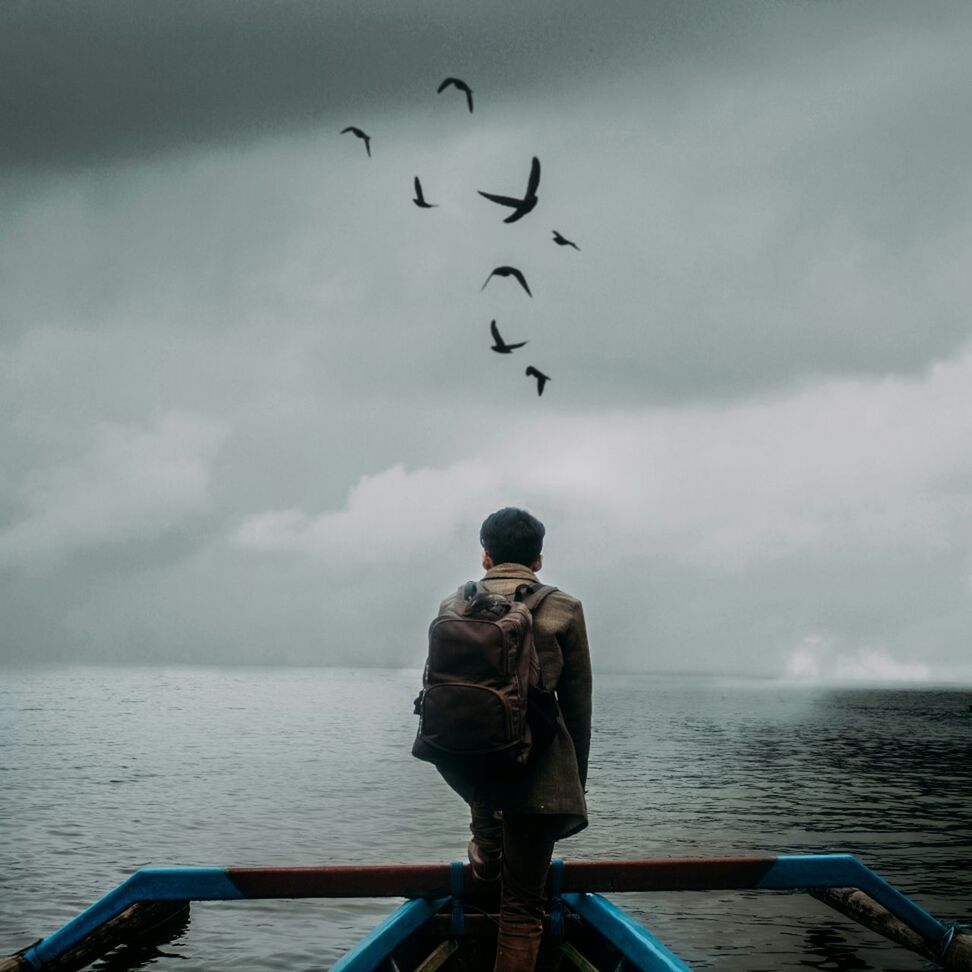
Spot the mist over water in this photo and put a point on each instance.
(104, 770)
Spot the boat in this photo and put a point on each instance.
(448, 920)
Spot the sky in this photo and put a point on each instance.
(248, 407)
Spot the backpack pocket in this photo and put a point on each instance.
(467, 719)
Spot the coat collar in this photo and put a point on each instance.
(511, 572)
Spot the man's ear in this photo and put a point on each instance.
(487, 560)
(537, 564)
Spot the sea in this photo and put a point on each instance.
(105, 770)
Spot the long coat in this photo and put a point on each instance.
(554, 782)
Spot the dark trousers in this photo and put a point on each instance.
(517, 849)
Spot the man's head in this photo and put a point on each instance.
(512, 536)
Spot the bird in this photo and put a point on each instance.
(520, 206)
(461, 85)
(508, 272)
(501, 346)
(563, 241)
(361, 135)
(419, 199)
(542, 379)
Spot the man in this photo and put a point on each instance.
(514, 822)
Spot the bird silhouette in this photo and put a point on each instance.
(542, 379)
(563, 241)
(500, 345)
(508, 272)
(365, 138)
(419, 199)
(461, 85)
(520, 206)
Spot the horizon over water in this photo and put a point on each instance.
(104, 769)
(957, 679)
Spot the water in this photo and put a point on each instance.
(106, 770)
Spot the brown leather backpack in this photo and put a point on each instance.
(483, 706)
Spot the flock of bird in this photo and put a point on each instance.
(520, 207)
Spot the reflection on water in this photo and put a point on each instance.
(829, 950)
(164, 941)
(103, 771)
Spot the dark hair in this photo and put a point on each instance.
(512, 536)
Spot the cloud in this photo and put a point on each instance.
(756, 429)
(808, 248)
(734, 533)
(820, 660)
(875, 465)
(128, 78)
(130, 482)
(391, 516)
(873, 666)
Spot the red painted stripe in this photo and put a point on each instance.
(432, 880)
(374, 881)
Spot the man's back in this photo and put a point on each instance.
(516, 818)
(555, 780)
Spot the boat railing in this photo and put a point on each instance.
(840, 880)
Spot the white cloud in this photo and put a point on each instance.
(876, 465)
(392, 514)
(842, 508)
(131, 481)
(874, 666)
(819, 659)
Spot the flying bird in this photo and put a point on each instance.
(563, 241)
(501, 346)
(365, 138)
(419, 199)
(542, 379)
(522, 206)
(461, 85)
(508, 272)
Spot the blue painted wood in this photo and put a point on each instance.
(372, 950)
(793, 871)
(634, 941)
(147, 884)
(789, 872)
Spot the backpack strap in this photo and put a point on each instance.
(532, 598)
(469, 590)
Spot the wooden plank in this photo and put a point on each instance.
(439, 956)
(576, 958)
(14, 964)
(863, 909)
(134, 922)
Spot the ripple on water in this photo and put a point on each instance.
(299, 767)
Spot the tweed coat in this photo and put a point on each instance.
(554, 782)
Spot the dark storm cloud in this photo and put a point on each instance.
(89, 81)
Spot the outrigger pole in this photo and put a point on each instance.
(840, 880)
